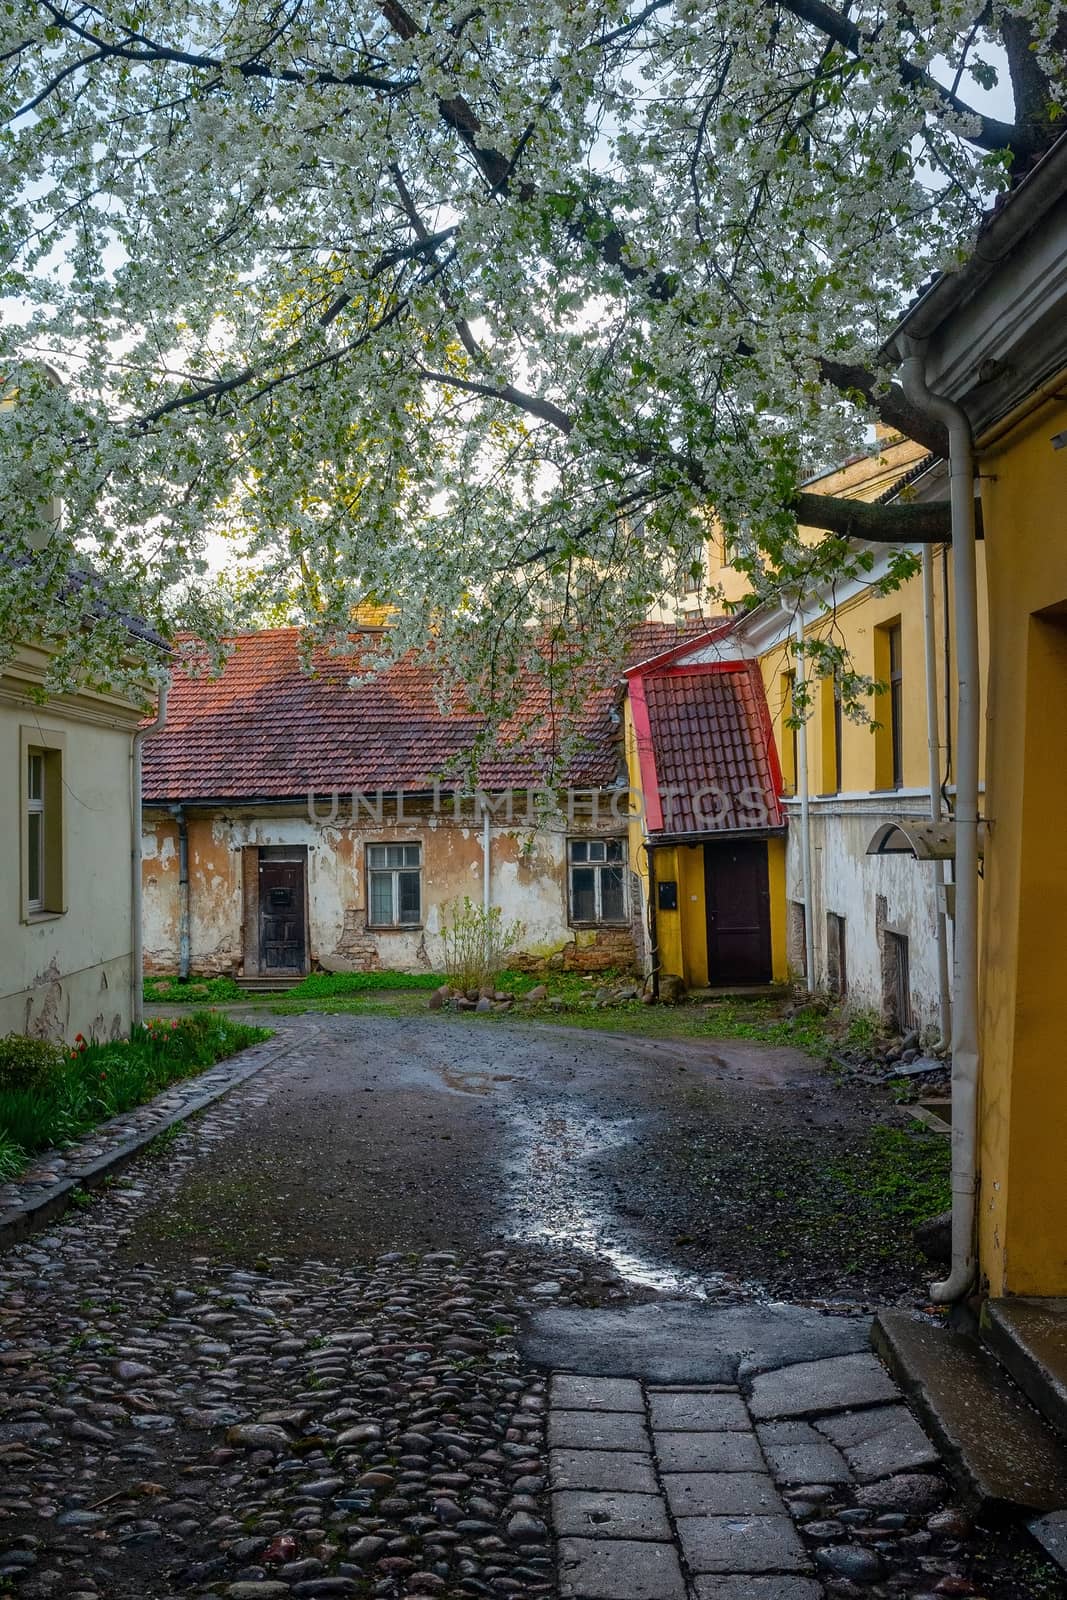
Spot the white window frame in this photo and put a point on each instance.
(595, 859)
(394, 873)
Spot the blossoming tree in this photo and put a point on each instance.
(474, 308)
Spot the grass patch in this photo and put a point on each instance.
(190, 991)
(799, 1213)
(905, 1175)
(336, 985)
(70, 1093)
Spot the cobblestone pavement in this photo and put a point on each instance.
(216, 1382)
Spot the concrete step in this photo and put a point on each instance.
(1029, 1337)
(1004, 1456)
(266, 985)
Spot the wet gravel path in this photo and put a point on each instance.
(279, 1355)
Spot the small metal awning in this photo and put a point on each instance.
(925, 841)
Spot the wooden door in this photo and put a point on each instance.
(739, 912)
(281, 916)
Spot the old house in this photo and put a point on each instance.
(70, 932)
(295, 821)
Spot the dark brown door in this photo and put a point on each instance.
(281, 916)
(739, 912)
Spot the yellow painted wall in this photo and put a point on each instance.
(859, 626)
(1023, 1104)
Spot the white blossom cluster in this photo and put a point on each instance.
(470, 310)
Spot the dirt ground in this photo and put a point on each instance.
(724, 1168)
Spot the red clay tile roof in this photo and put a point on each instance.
(706, 749)
(265, 729)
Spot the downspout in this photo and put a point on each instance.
(485, 863)
(183, 892)
(965, 1061)
(805, 811)
(136, 889)
(653, 924)
(933, 752)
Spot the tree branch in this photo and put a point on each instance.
(899, 523)
(992, 133)
(892, 404)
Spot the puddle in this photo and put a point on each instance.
(551, 1202)
(472, 1082)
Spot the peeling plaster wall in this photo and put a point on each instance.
(849, 882)
(528, 882)
(67, 971)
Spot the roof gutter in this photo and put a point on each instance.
(1023, 208)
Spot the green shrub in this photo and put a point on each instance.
(477, 944)
(28, 1063)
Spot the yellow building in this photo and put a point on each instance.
(707, 833)
(991, 340)
(868, 928)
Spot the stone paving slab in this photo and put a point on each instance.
(609, 1515)
(810, 1388)
(748, 1588)
(708, 1452)
(572, 1392)
(881, 1442)
(698, 1413)
(797, 1453)
(722, 1494)
(619, 1569)
(597, 1430)
(741, 1544)
(602, 1469)
(686, 1342)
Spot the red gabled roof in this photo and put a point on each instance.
(706, 748)
(266, 729)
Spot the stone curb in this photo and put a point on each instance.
(18, 1222)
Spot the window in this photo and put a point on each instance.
(889, 730)
(797, 939)
(896, 705)
(896, 982)
(830, 720)
(42, 827)
(35, 857)
(837, 732)
(836, 969)
(790, 740)
(394, 876)
(597, 880)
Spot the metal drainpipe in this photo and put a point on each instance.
(485, 863)
(136, 887)
(183, 892)
(965, 1057)
(933, 752)
(805, 814)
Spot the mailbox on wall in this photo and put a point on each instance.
(668, 895)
